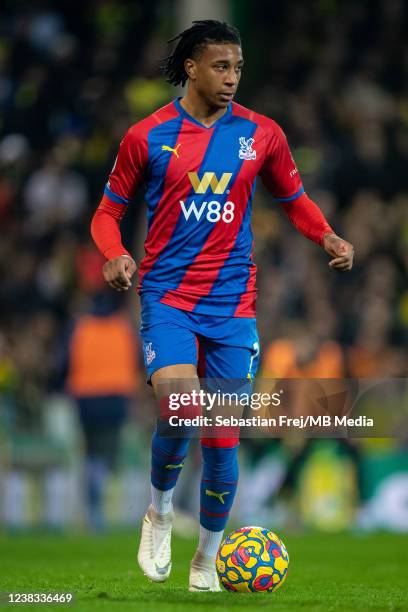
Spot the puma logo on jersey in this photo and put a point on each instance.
(175, 150)
(219, 496)
(174, 466)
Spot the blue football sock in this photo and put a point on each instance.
(218, 486)
(168, 456)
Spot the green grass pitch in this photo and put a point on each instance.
(326, 572)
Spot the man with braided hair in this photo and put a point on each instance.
(198, 157)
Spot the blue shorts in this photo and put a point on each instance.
(220, 347)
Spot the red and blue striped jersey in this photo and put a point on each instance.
(200, 183)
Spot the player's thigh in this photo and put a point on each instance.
(236, 357)
(167, 338)
(230, 362)
(229, 369)
(170, 353)
(178, 375)
(168, 345)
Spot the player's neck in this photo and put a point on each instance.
(195, 106)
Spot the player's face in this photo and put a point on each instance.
(216, 72)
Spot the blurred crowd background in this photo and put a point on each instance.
(334, 75)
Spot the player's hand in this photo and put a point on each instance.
(119, 271)
(341, 251)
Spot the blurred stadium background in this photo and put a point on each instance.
(334, 75)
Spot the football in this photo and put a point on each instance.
(252, 559)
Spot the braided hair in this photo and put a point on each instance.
(191, 42)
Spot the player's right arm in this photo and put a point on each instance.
(126, 176)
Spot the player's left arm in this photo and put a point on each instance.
(281, 177)
(308, 219)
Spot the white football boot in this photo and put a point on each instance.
(203, 575)
(154, 555)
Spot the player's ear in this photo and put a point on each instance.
(190, 67)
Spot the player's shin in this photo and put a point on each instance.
(169, 449)
(218, 487)
(168, 456)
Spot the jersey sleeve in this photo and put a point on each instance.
(129, 169)
(279, 172)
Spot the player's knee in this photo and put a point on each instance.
(230, 442)
(220, 464)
